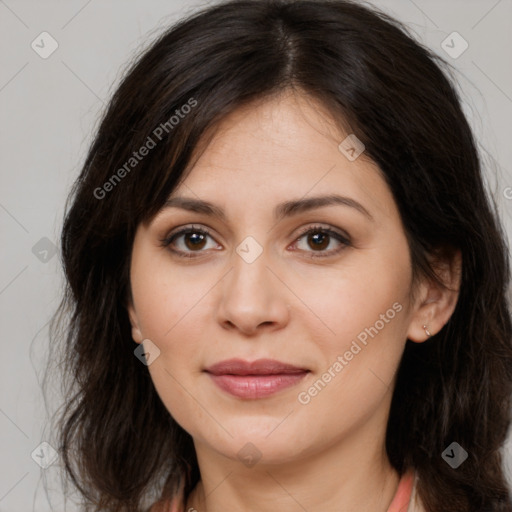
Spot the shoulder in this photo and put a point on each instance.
(159, 506)
(415, 504)
(174, 505)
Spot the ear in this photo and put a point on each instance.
(436, 304)
(136, 331)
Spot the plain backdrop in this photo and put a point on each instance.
(49, 110)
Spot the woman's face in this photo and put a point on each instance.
(259, 286)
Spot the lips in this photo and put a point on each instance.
(258, 367)
(256, 379)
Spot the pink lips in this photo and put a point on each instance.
(256, 379)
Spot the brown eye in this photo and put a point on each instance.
(318, 241)
(190, 240)
(193, 240)
(319, 238)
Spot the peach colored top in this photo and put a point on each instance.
(401, 500)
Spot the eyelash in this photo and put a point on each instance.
(168, 240)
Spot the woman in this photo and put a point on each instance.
(287, 282)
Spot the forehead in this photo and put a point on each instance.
(279, 148)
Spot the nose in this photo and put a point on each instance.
(253, 297)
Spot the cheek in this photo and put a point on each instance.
(171, 322)
(177, 393)
(364, 323)
(168, 302)
(359, 363)
(357, 299)
(164, 294)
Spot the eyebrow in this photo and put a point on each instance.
(285, 209)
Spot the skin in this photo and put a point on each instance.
(327, 454)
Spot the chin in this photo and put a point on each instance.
(256, 441)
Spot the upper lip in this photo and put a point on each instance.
(258, 367)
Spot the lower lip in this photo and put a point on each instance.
(256, 386)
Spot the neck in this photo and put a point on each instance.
(350, 475)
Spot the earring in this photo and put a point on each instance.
(427, 332)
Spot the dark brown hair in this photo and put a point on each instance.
(118, 442)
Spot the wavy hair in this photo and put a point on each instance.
(119, 444)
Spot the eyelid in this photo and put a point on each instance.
(181, 230)
(341, 236)
(327, 228)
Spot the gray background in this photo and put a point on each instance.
(49, 111)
